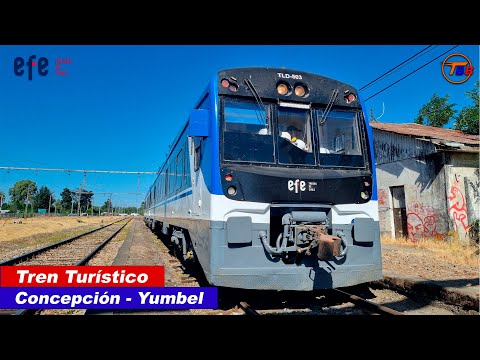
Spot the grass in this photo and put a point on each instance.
(50, 238)
(19, 229)
(452, 251)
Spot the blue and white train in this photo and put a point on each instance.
(271, 185)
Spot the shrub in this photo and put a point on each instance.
(473, 232)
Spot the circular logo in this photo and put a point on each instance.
(457, 68)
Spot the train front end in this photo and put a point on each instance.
(292, 204)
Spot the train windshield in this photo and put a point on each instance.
(247, 132)
(268, 133)
(339, 138)
(295, 144)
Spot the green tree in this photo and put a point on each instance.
(18, 193)
(66, 201)
(107, 206)
(468, 118)
(42, 198)
(436, 112)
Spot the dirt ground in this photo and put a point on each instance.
(18, 236)
(18, 228)
(428, 264)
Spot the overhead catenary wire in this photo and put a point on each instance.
(76, 170)
(396, 82)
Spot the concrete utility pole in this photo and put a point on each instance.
(79, 198)
(49, 202)
(26, 203)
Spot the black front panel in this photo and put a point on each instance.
(272, 185)
(319, 89)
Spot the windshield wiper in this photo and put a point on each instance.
(260, 104)
(333, 97)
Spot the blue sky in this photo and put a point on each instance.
(120, 106)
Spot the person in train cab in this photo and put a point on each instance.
(293, 134)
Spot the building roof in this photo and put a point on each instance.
(439, 136)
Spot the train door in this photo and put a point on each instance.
(197, 178)
(399, 211)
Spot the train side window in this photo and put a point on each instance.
(166, 182)
(171, 180)
(160, 187)
(179, 170)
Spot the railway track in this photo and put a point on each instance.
(367, 307)
(376, 308)
(77, 251)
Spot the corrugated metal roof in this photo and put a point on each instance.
(438, 135)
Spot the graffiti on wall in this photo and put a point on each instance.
(421, 221)
(382, 197)
(458, 208)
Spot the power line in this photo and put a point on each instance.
(389, 71)
(411, 73)
(112, 192)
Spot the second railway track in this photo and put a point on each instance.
(76, 250)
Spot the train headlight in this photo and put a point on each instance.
(283, 89)
(365, 195)
(232, 190)
(228, 177)
(300, 90)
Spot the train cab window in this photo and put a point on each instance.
(339, 138)
(295, 144)
(247, 132)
